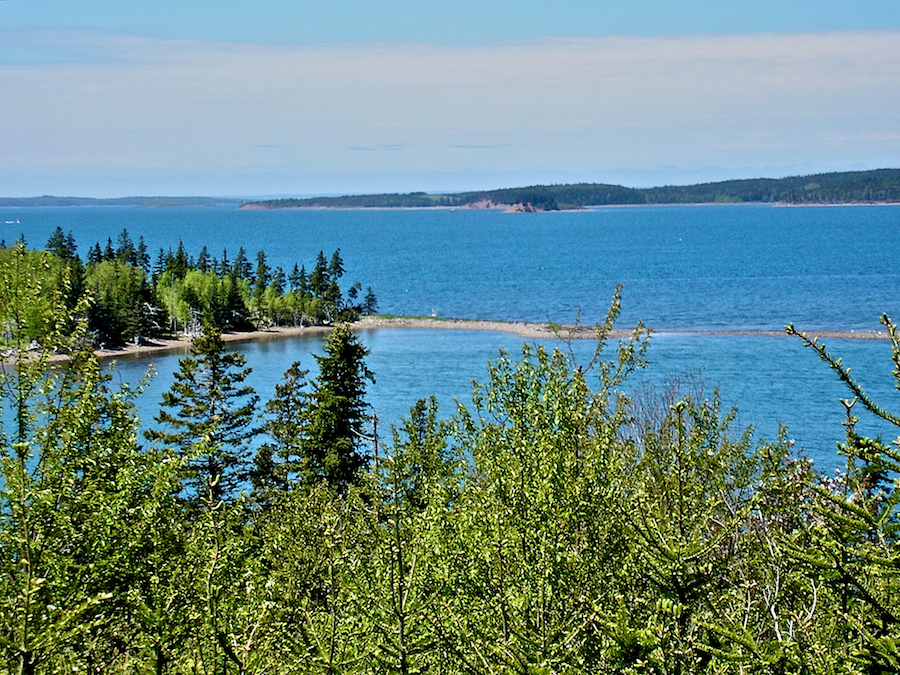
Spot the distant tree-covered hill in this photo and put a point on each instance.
(854, 187)
(881, 185)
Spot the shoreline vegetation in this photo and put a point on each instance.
(547, 526)
(124, 300)
(527, 330)
(881, 186)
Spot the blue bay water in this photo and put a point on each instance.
(770, 380)
(683, 268)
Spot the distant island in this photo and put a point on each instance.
(855, 187)
(880, 186)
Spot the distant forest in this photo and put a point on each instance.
(854, 187)
(881, 185)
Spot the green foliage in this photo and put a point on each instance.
(204, 297)
(555, 525)
(79, 509)
(121, 308)
(855, 550)
(335, 440)
(34, 292)
(128, 303)
(281, 461)
(533, 546)
(213, 419)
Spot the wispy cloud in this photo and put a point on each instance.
(109, 105)
(462, 146)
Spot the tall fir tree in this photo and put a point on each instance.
(319, 279)
(280, 461)
(212, 420)
(335, 444)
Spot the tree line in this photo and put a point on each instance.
(881, 185)
(132, 298)
(553, 525)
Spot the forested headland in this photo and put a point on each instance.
(126, 296)
(857, 187)
(851, 187)
(553, 525)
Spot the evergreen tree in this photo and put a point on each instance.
(261, 282)
(354, 291)
(241, 265)
(122, 301)
(294, 278)
(142, 257)
(236, 315)
(95, 254)
(370, 303)
(334, 447)
(334, 301)
(421, 454)
(281, 460)
(319, 280)
(203, 263)
(125, 250)
(180, 264)
(211, 422)
(224, 267)
(61, 245)
(160, 266)
(303, 281)
(336, 266)
(277, 281)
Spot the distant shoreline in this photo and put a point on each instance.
(513, 208)
(531, 331)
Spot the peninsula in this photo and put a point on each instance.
(856, 187)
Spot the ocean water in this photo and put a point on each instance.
(683, 267)
(695, 268)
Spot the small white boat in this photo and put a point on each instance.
(12, 222)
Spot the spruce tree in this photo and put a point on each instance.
(335, 418)
(319, 279)
(212, 420)
(370, 303)
(280, 461)
(61, 245)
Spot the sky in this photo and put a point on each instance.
(278, 97)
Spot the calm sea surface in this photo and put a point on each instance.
(683, 268)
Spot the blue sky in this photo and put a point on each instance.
(276, 97)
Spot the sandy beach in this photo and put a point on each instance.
(530, 331)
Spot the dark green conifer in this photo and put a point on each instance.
(281, 460)
(370, 303)
(211, 423)
(335, 444)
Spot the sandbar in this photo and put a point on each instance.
(531, 331)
